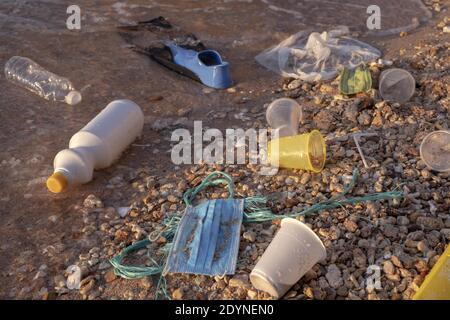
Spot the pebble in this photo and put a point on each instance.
(334, 276)
(249, 235)
(110, 276)
(92, 202)
(430, 222)
(388, 267)
(178, 294)
(238, 281)
(402, 221)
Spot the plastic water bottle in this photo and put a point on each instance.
(97, 145)
(29, 75)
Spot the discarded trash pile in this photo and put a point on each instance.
(327, 198)
(207, 239)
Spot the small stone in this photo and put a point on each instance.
(155, 98)
(104, 265)
(421, 266)
(238, 281)
(446, 29)
(178, 294)
(110, 276)
(402, 221)
(446, 233)
(249, 235)
(390, 231)
(289, 181)
(388, 267)
(120, 235)
(123, 211)
(396, 261)
(87, 287)
(294, 84)
(253, 295)
(364, 118)
(92, 202)
(351, 112)
(430, 222)
(306, 177)
(422, 246)
(350, 225)
(290, 294)
(334, 276)
(359, 258)
(324, 120)
(147, 282)
(172, 199)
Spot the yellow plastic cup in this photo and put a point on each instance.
(437, 283)
(304, 151)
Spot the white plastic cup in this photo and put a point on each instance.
(435, 150)
(397, 85)
(284, 115)
(294, 250)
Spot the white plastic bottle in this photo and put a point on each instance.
(97, 145)
(29, 75)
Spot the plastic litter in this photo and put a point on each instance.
(97, 145)
(435, 150)
(305, 151)
(355, 81)
(317, 56)
(294, 250)
(437, 283)
(255, 210)
(207, 65)
(283, 115)
(29, 75)
(356, 137)
(396, 85)
(207, 238)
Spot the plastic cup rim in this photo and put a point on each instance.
(422, 145)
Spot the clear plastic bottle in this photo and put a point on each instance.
(29, 75)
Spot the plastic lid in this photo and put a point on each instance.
(57, 182)
(397, 85)
(435, 150)
(73, 97)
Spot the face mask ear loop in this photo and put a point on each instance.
(211, 180)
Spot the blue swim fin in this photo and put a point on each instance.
(206, 65)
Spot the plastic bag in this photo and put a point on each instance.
(317, 56)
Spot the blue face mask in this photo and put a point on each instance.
(207, 239)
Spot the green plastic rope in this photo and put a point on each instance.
(133, 272)
(264, 214)
(190, 194)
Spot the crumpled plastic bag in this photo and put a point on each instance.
(317, 56)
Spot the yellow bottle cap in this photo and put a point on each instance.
(57, 182)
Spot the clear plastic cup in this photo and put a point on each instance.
(284, 115)
(397, 85)
(294, 250)
(435, 150)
